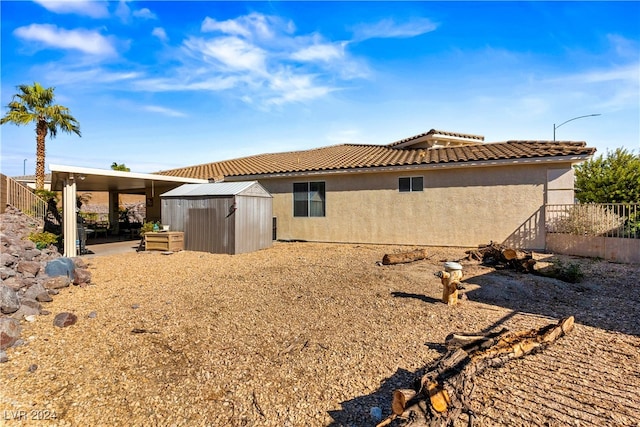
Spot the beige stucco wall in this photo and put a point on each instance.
(458, 207)
(609, 248)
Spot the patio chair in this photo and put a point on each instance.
(101, 227)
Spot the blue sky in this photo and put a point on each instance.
(159, 85)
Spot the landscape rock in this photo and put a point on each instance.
(34, 290)
(57, 282)
(7, 259)
(3, 356)
(62, 320)
(9, 302)
(28, 268)
(14, 283)
(30, 276)
(9, 332)
(60, 267)
(28, 307)
(44, 297)
(30, 254)
(79, 262)
(6, 272)
(81, 276)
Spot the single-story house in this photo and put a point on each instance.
(435, 188)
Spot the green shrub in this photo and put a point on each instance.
(44, 239)
(46, 195)
(148, 227)
(570, 272)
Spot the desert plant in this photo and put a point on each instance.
(43, 239)
(589, 219)
(149, 227)
(570, 272)
(46, 195)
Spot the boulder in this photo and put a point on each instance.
(31, 254)
(14, 283)
(7, 259)
(81, 276)
(28, 307)
(9, 332)
(6, 272)
(62, 320)
(34, 290)
(60, 267)
(57, 282)
(9, 302)
(79, 262)
(28, 267)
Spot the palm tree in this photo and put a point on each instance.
(120, 167)
(34, 104)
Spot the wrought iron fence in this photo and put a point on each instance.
(23, 198)
(621, 220)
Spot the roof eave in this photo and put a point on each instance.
(573, 159)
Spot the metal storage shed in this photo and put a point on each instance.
(222, 217)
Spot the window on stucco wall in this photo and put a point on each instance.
(308, 199)
(410, 183)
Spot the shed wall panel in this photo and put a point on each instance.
(206, 223)
(253, 218)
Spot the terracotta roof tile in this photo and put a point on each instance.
(354, 156)
(478, 138)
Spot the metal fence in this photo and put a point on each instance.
(23, 198)
(621, 220)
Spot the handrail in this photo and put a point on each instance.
(22, 197)
(621, 220)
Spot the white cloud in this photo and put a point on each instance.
(123, 11)
(388, 28)
(179, 84)
(144, 13)
(86, 74)
(289, 87)
(162, 110)
(629, 73)
(625, 48)
(160, 33)
(320, 52)
(254, 25)
(231, 52)
(86, 41)
(227, 27)
(271, 64)
(91, 8)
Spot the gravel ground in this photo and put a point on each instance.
(306, 334)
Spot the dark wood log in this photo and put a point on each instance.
(501, 256)
(404, 257)
(445, 389)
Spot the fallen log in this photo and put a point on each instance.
(404, 257)
(442, 394)
(501, 256)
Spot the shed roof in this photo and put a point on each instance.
(218, 189)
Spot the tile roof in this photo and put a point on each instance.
(355, 156)
(47, 178)
(477, 138)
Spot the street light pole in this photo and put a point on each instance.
(24, 167)
(570, 120)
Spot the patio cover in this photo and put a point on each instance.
(71, 179)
